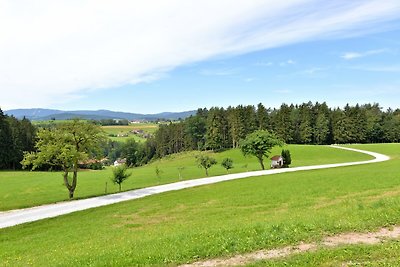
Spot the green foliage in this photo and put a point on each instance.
(16, 136)
(259, 144)
(287, 159)
(65, 146)
(227, 163)
(158, 172)
(205, 162)
(120, 175)
(307, 123)
(217, 129)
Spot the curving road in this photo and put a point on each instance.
(14, 217)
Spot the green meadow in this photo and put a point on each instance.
(225, 219)
(126, 130)
(21, 189)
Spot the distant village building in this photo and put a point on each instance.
(276, 161)
(137, 131)
(119, 162)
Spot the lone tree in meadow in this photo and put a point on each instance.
(120, 175)
(227, 163)
(205, 162)
(64, 146)
(259, 144)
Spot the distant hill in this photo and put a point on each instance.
(48, 114)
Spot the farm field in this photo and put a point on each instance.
(22, 189)
(126, 131)
(224, 219)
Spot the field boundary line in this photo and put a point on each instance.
(352, 238)
(20, 216)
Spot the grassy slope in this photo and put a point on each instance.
(215, 220)
(25, 189)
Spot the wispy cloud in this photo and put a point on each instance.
(248, 80)
(265, 64)
(287, 62)
(313, 70)
(353, 55)
(60, 49)
(377, 68)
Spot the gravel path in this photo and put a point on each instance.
(14, 217)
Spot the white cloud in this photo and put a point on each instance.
(265, 64)
(353, 55)
(52, 51)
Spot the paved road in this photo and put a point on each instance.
(14, 217)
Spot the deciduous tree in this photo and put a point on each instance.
(205, 162)
(227, 163)
(120, 174)
(259, 144)
(65, 146)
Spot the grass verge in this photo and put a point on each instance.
(215, 220)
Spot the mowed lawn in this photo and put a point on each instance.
(217, 220)
(25, 189)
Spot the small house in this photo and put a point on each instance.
(119, 162)
(276, 161)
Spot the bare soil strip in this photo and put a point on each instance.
(331, 241)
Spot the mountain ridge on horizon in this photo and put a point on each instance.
(48, 114)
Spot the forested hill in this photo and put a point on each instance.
(48, 114)
(308, 123)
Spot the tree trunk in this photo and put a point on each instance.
(67, 185)
(74, 181)
(119, 187)
(261, 163)
(206, 172)
(71, 194)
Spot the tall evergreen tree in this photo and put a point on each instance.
(217, 129)
(6, 142)
(262, 117)
(321, 130)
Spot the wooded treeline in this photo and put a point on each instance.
(308, 123)
(16, 136)
(219, 128)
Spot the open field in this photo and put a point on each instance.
(147, 128)
(221, 220)
(24, 189)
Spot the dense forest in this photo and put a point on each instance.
(16, 136)
(220, 128)
(308, 123)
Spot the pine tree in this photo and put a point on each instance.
(262, 117)
(6, 142)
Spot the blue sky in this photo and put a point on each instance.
(338, 53)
